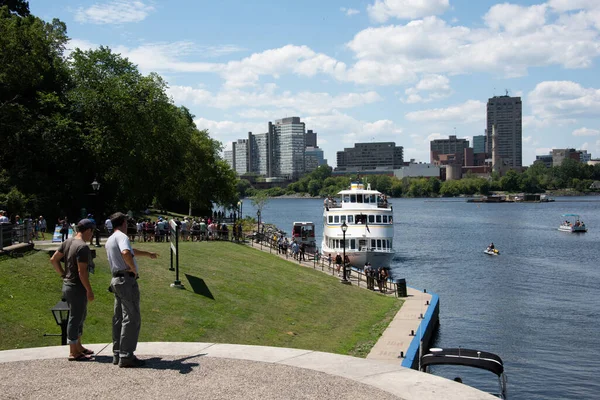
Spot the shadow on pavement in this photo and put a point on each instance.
(176, 365)
(199, 286)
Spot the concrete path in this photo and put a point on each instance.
(217, 371)
(397, 337)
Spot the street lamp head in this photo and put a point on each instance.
(344, 227)
(61, 312)
(96, 185)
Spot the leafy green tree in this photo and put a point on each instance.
(18, 7)
(242, 186)
(510, 182)
(314, 186)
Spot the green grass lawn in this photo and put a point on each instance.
(233, 294)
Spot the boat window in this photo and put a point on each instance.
(362, 244)
(346, 198)
(352, 198)
(372, 199)
(373, 243)
(331, 219)
(366, 198)
(385, 219)
(371, 219)
(384, 244)
(359, 198)
(353, 244)
(350, 219)
(336, 219)
(342, 218)
(378, 219)
(379, 243)
(360, 219)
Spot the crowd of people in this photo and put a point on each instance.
(190, 229)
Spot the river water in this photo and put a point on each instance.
(536, 305)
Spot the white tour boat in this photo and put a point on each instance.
(369, 227)
(568, 226)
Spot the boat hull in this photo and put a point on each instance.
(572, 229)
(491, 253)
(359, 258)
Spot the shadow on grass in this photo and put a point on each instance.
(199, 286)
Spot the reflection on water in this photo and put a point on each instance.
(535, 305)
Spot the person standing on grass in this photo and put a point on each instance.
(124, 269)
(77, 290)
(42, 226)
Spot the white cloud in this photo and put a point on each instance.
(469, 111)
(516, 19)
(569, 5)
(564, 99)
(382, 10)
(585, 132)
(349, 11)
(437, 86)
(229, 131)
(267, 96)
(115, 12)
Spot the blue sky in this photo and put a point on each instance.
(406, 71)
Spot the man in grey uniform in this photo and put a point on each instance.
(124, 269)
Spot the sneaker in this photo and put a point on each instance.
(132, 362)
(115, 359)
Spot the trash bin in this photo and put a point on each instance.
(401, 288)
(6, 235)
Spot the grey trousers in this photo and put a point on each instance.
(126, 319)
(76, 296)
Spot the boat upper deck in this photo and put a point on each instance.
(357, 197)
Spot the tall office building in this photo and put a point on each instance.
(479, 144)
(311, 139)
(314, 157)
(242, 156)
(229, 156)
(505, 113)
(370, 156)
(448, 151)
(288, 143)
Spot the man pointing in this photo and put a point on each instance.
(124, 269)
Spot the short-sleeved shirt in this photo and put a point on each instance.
(75, 250)
(116, 243)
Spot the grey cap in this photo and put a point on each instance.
(85, 224)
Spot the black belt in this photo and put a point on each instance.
(122, 274)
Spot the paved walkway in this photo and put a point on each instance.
(217, 371)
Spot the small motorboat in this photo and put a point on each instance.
(574, 227)
(492, 252)
(468, 358)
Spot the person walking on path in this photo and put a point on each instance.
(42, 226)
(64, 228)
(77, 290)
(124, 269)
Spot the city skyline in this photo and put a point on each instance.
(355, 71)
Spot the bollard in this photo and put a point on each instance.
(427, 303)
(421, 316)
(412, 333)
(424, 290)
(401, 354)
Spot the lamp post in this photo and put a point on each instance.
(61, 315)
(240, 204)
(258, 238)
(96, 188)
(344, 229)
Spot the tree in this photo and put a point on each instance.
(510, 182)
(18, 7)
(259, 200)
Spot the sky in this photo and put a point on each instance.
(405, 71)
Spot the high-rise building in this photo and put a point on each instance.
(584, 156)
(448, 151)
(370, 156)
(479, 144)
(229, 156)
(313, 158)
(288, 142)
(311, 139)
(505, 113)
(242, 156)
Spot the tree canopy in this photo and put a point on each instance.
(67, 121)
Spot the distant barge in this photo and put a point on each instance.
(516, 198)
